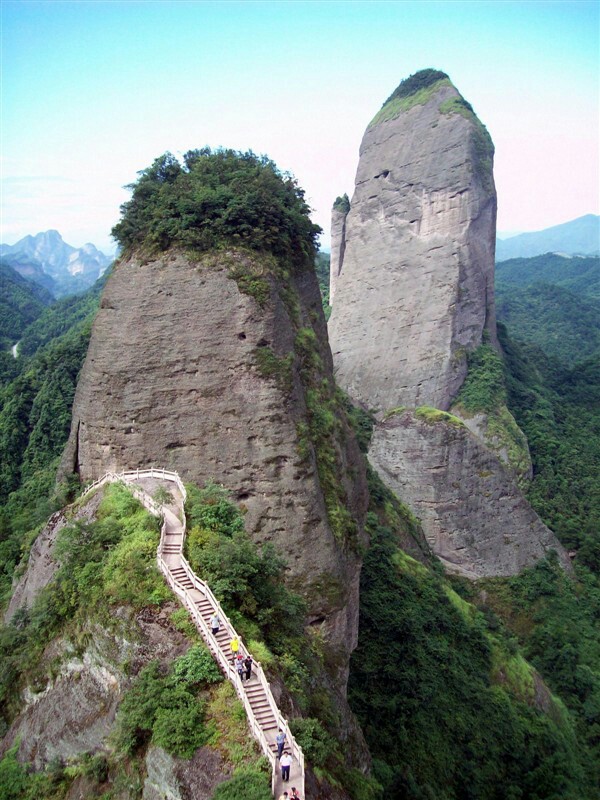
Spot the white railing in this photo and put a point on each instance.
(130, 477)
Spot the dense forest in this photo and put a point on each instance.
(21, 302)
(552, 301)
(487, 690)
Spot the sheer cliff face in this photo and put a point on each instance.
(414, 295)
(475, 518)
(186, 371)
(415, 289)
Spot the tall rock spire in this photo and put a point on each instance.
(414, 296)
(415, 291)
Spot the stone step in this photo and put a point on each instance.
(261, 708)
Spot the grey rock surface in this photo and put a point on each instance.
(72, 710)
(169, 778)
(171, 379)
(473, 513)
(41, 565)
(414, 295)
(161, 782)
(338, 248)
(416, 286)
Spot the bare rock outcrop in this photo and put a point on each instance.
(73, 710)
(414, 297)
(475, 517)
(41, 564)
(219, 367)
(415, 290)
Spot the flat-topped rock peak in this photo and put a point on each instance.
(187, 369)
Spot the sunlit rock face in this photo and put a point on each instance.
(415, 287)
(414, 278)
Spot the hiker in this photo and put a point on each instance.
(280, 740)
(248, 665)
(284, 796)
(286, 763)
(234, 645)
(294, 795)
(240, 666)
(215, 623)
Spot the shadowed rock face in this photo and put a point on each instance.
(415, 289)
(173, 378)
(338, 247)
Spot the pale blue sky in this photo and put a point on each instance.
(94, 91)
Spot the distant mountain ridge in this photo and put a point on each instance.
(579, 236)
(553, 302)
(48, 260)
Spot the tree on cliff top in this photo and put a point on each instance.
(214, 199)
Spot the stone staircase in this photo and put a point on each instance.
(264, 717)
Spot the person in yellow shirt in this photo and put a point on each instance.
(234, 646)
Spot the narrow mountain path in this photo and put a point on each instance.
(264, 717)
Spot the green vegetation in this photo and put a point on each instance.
(342, 203)
(484, 391)
(558, 411)
(21, 303)
(556, 620)
(564, 324)
(484, 387)
(313, 739)
(109, 561)
(552, 302)
(272, 366)
(61, 317)
(326, 416)
(322, 263)
(36, 396)
(417, 82)
(251, 279)
(247, 580)
(481, 141)
(164, 709)
(433, 415)
(398, 104)
(417, 89)
(216, 199)
(443, 700)
(577, 274)
(18, 782)
(247, 782)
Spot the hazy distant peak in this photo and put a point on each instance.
(580, 236)
(47, 255)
